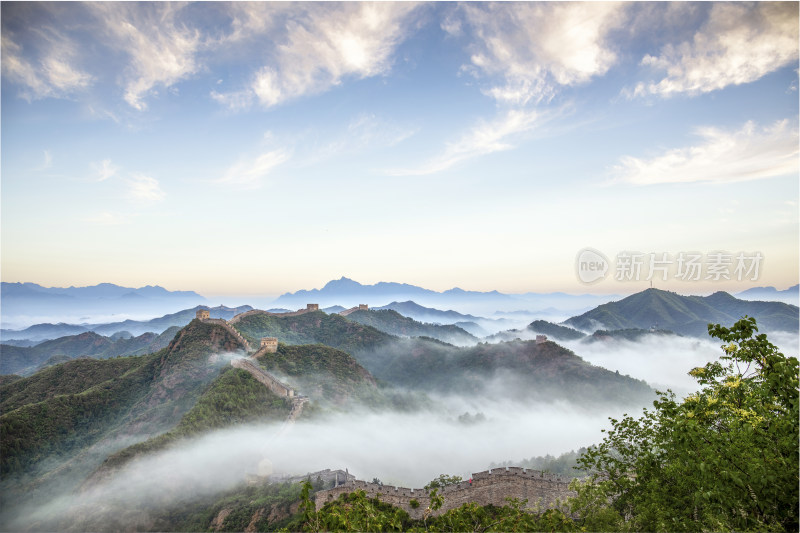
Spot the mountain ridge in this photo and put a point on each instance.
(685, 315)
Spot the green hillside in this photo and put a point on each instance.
(52, 421)
(425, 364)
(685, 315)
(554, 331)
(515, 369)
(56, 413)
(537, 327)
(394, 323)
(233, 398)
(310, 328)
(324, 374)
(26, 361)
(633, 334)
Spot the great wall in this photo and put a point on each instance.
(268, 345)
(491, 487)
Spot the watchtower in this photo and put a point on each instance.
(312, 307)
(541, 339)
(363, 307)
(203, 314)
(269, 344)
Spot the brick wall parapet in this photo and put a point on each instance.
(541, 490)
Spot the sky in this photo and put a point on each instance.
(260, 148)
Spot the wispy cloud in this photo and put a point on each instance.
(250, 173)
(529, 50)
(49, 73)
(485, 138)
(749, 153)
(324, 44)
(104, 169)
(162, 50)
(144, 189)
(740, 43)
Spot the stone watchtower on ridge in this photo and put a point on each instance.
(363, 307)
(269, 344)
(203, 314)
(312, 307)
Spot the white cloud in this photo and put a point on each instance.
(739, 44)
(162, 50)
(485, 138)
(51, 75)
(749, 153)
(536, 47)
(324, 44)
(249, 174)
(144, 189)
(104, 169)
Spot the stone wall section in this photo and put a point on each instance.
(252, 312)
(225, 324)
(490, 487)
(359, 307)
(267, 379)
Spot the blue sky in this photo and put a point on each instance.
(257, 148)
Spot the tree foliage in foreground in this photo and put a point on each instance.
(725, 458)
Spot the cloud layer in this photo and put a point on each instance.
(535, 48)
(751, 152)
(740, 43)
(324, 45)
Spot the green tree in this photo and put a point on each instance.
(442, 481)
(724, 458)
(352, 512)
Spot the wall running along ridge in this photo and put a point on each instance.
(490, 487)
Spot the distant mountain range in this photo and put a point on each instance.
(685, 315)
(771, 294)
(348, 293)
(390, 321)
(76, 304)
(27, 360)
(40, 332)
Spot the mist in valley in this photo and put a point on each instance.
(404, 449)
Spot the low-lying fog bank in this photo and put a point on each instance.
(403, 449)
(664, 361)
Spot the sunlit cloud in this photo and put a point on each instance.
(104, 169)
(162, 51)
(250, 173)
(529, 50)
(485, 138)
(144, 189)
(51, 74)
(749, 153)
(739, 44)
(323, 46)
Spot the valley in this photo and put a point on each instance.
(288, 393)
